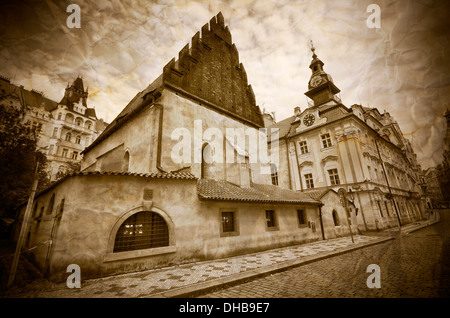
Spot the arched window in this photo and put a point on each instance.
(141, 231)
(50, 205)
(59, 116)
(126, 161)
(68, 136)
(207, 158)
(335, 218)
(78, 140)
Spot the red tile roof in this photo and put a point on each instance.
(222, 190)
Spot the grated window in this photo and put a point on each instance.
(141, 231)
(228, 221)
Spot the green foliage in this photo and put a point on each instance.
(18, 158)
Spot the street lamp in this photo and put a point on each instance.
(343, 194)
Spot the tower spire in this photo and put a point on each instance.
(313, 49)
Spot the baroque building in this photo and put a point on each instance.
(64, 128)
(331, 146)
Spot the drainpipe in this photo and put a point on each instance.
(321, 222)
(158, 155)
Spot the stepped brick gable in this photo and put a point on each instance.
(210, 70)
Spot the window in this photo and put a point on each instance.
(141, 231)
(387, 208)
(50, 149)
(50, 205)
(274, 173)
(379, 208)
(68, 136)
(65, 152)
(78, 140)
(270, 219)
(126, 161)
(334, 176)
(78, 122)
(59, 116)
(61, 208)
(55, 132)
(335, 218)
(75, 155)
(228, 221)
(309, 181)
(301, 217)
(303, 147)
(326, 140)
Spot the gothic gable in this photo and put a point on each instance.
(210, 70)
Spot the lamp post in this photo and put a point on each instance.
(344, 201)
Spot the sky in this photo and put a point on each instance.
(403, 67)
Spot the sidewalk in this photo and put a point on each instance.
(191, 279)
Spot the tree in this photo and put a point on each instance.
(18, 158)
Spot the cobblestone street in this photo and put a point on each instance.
(412, 265)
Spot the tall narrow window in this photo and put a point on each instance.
(65, 152)
(326, 140)
(68, 137)
(50, 205)
(274, 173)
(309, 181)
(379, 208)
(75, 155)
(78, 140)
(303, 147)
(55, 132)
(334, 176)
(126, 162)
(335, 218)
(141, 231)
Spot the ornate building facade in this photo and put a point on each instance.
(64, 128)
(358, 149)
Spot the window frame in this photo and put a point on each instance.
(326, 139)
(303, 146)
(274, 174)
(311, 180)
(235, 231)
(304, 217)
(333, 175)
(275, 226)
(140, 237)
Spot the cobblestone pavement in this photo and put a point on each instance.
(186, 280)
(412, 265)
(154, 282)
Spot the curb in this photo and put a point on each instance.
(420, 227)
(199, 288)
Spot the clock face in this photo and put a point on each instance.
(309, 119)
(316, 80)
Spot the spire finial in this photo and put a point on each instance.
(313, 49)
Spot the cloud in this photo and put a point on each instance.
(122, 47)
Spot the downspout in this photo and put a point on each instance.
(158, 149)
(321, 222)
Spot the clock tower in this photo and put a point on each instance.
(321, 88)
